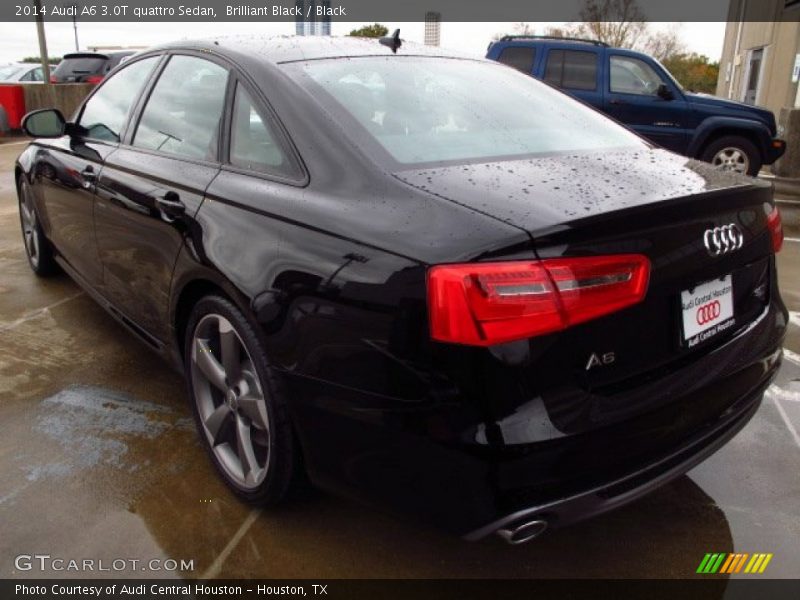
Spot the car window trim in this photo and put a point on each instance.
(268, 115)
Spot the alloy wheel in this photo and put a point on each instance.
(230, 401)
(29, 226)
(731, 159)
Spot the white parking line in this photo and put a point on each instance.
(791, 356)
(37, 313)
(788, 423)
(213, 570)
(788, 239)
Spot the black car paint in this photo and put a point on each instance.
(333, 269)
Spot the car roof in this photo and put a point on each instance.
(287, 48)
(103, 55)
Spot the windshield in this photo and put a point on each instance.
(9, 71)
(431, 110)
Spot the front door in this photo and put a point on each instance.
(70, 167)
(151, 188)
(632, 98)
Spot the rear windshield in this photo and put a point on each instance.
(435, 110)
(80, 66)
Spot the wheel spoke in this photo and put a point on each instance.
(208, 364)
(217, 421)
(26, 215)
(255, 409)
(244, 449)
(230, 349)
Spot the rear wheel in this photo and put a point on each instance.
(37, 248)
(239, 404)
(733, 153)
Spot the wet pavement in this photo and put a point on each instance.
(100, 460)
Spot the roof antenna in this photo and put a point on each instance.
(392, 41)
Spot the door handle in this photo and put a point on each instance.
(88, 177)
(170, 206)
(616, 101)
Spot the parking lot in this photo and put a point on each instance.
(100, 460)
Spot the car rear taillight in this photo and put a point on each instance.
(775, 229)
(53, 79)
(483, 304)
(94, 79)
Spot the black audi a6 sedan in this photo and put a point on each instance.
(428, 282)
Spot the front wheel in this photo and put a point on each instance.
(37, 247)
(733, 153)
(239, 404)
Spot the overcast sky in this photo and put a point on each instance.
(19, 40)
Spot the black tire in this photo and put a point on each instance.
(715, 153)
(281, 463)
(38, 249)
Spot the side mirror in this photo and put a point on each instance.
(45, 123)
(663, 92)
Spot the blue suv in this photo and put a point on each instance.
(636, 90)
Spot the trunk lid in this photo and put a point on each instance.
(653, 203)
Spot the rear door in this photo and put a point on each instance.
(577, 72)
(69, 167)
(153, 185)
(632, 99)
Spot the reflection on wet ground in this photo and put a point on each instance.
(100, 460)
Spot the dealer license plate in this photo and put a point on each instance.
(707, 310)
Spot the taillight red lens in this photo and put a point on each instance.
(94, 79)
(775, 229)
(53, 79)
(483, 304)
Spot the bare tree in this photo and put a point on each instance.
(524, 29)
(618, 23)
(663, 44)
(621, 24)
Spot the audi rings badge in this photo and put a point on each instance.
(708, 312)
(723, 240)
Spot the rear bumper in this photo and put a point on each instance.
(627, 488)
(452, 462)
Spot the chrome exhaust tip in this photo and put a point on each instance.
(523, 531)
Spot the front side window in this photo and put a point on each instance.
(427, 110)
(571, 69)
(254, 145)
(33, 75)
(106, 111)
(184, 111)
(518, 57)
(633, 76)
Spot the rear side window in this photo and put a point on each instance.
(106, 111)
(183, 114)
(518, 57)
(572, 69)
(254, 145)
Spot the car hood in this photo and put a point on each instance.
(539, 194)
(748, 110)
